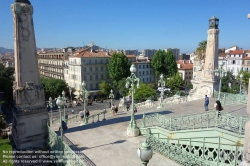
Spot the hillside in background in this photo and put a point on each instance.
(4, 50)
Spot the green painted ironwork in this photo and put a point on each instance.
(61, 152)
(189, 152)
(209, 119)
(75, 118)
(229, 98)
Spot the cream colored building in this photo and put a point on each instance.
(185, 68)
(52, 64)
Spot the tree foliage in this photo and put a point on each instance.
(118, 67)
(122, 88)
(230, 78)
(105, 87)
(245, 79)
(145, 91)
(201, 50)
(175, 82)
(6, 81)
(164, 63)
(53, 87)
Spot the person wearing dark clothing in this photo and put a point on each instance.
(87, 113)
(218, 107)
(128, 107)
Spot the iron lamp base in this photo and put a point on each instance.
(133, 132)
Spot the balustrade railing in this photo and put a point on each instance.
(230, 98)
(201, 153)
(223, 120)
(76, 118)
(60, 152)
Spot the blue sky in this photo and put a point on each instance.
(132, 24)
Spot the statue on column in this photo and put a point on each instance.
(23, 1)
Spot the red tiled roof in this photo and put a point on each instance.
(184, 66)
(236, 52)
(86, 53)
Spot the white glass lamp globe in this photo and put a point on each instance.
(145, 152)
(83, 83)
(241, 75)
(59, 101)
(161, 76)
(132, 68)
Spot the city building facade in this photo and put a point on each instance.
(175, 51)
(130, 52)
(149, 52)
(185, 68)
(234, 61)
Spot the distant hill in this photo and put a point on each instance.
(4, 50)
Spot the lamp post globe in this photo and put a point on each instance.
(60, 104)
(111, 96)
(83, 83)
(145, 153)
(132, 68)
(241, 76)
(132, 129)
(50, 105)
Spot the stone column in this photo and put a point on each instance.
(29, 126)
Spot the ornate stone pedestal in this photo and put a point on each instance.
(133, 132)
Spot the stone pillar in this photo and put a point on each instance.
(246, 152)
(29, 126)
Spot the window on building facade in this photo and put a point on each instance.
(96, 77)
(139, 73)
(90, 68)
(97, 86)
(90, 77)
(147, 72)
(91, 86)
(95, 61)
(96, 68)
(143, 66)
(101, 68)
(147, 66)
(101, 61)
(139, 66)
(189, 77)
(84, 69)
(107, 61)
(101, 76)
(143, 73)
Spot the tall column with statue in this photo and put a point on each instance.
(29, 127)
(204, 81)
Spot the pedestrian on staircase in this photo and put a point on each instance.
(206, 103)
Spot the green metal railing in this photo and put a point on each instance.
(209, 119)
(229, 98)
(60, 152)
(190, 152)
(76, 118)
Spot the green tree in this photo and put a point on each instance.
(201, 50)
(6, 81)
(164, 63)
(245, 79)
(229, 79)
(145, 91)
(122, 88)
(53, 87)
(105, 87)
(175, 82)
(118, 67)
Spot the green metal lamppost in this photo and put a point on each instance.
(84, 97)
(111, 96)
(51, 105)
(64, 99)
(60, 103)
(220, 72)
(161, 83)
(145, 153)
(241, 76)
(132, 129)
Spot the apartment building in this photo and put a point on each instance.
(185, 68)
(246, 61)
(148, 52)
(234, 61)
(144, 70)
(51, 64)
(130, 52)
(175, 51)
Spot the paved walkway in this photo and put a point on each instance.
(106, 142)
